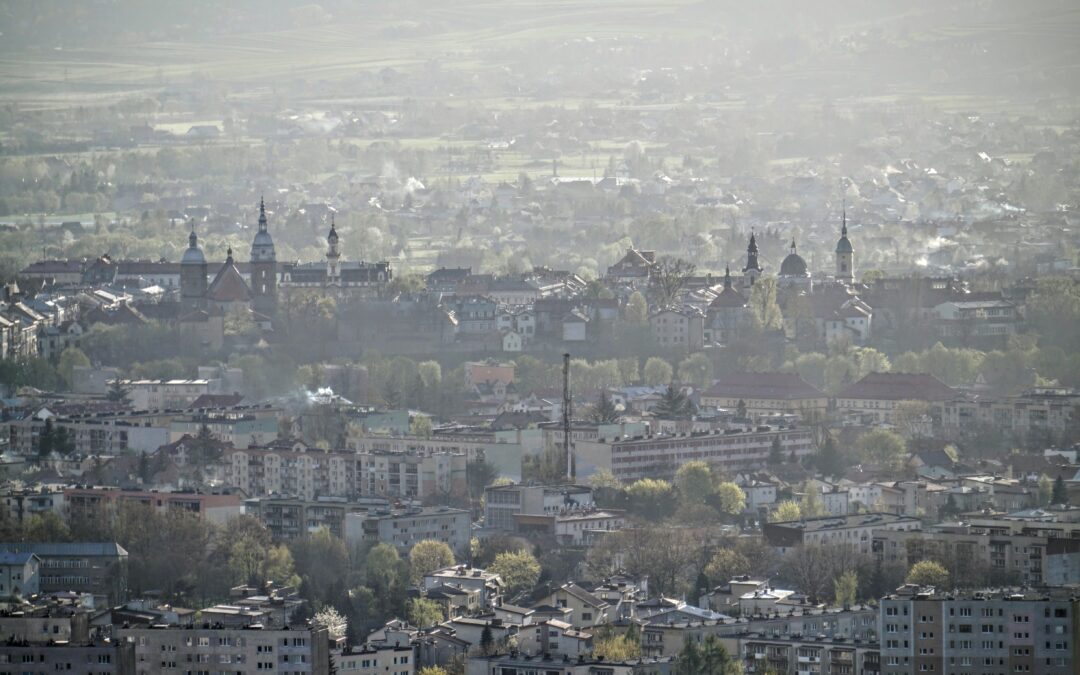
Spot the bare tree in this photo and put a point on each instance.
(669, 277)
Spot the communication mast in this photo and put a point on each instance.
(571, 463)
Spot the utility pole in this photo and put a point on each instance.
(571, 463)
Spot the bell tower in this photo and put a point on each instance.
(845, 254)
(333, 256)
(193, 270)
(263, 268)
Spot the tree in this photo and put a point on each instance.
(604, 411)
(487, 641)
(845, 588)
(882, 447)
(912, 418)
(811, 505)
(336, 624)
(669, 276)
(651, 498)
(785, 511)
(420, 426)
(776, 452)
(433, 670)
(636, 310)
(427, 556)
(764, 309)
(928, 573)
(657, 371)
(694, 481)
(423, 613)
(118, 393)
(730, 498)
(726, 564)
(828, 460)
(479, 474)
(674, 404)
(696, 369)
(740, 410)
(70, 358)
(1045, 491)
(1059, 495)
(616, 649)
(519, 570)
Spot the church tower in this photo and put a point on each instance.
(845, 255)
(192, 275)
(263, 269)
(333, 257)
(752, 270)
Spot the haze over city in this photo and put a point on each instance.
(576, 337)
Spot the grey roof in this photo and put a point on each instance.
(53, 549)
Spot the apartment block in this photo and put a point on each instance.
(661, 456)
(402, 528)
(925, 631)
(234, 650)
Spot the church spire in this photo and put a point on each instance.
(843, 219)
(727, 277)
(193, 239)
(262, 215)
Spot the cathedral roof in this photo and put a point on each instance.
(228, 285)
(793, 265)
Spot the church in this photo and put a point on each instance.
(204, 302)
(729, 312)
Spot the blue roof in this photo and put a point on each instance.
(8, 558)
(64, 549)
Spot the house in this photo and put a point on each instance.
(681, 329)
(588, 610)
(488, 585)
(18, 575)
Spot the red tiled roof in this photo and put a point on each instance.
(899, 387)
(228, 286)
(783, 386)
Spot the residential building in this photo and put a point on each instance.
(99, 569)
(588, 611)
(766, 394)
(660, 456)
(488, 585)
(503, 503)
(292, 651)
(18, 575)
(523, 664)
(1006, 631)
(856, 531)
(402, 528)
(376, 660)
(216, 506)
(876, 396)
(572, 527)
(678, 328)
(102, 657)
(804, 655)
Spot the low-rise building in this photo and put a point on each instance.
(856, 531)
(766, 394)
(488, 585)
(503, 503)
(402, 528)
(18, 575)
(876, 396)
(729, 452)
(96, 568)
(376, 660)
